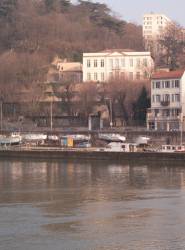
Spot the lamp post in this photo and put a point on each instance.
(1, 113)
(111, 122)
(181, 127)
(110, 107)
(51, 115)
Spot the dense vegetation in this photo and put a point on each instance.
(59, 27)
(33, 32)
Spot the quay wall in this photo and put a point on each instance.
(92, 155)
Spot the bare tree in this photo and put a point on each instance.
(86, 99)
(172, 46)
(123, 93)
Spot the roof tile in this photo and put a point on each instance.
(168, 74)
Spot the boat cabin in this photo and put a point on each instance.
(173, 148)
(121, 147)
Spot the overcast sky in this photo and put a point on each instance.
(133, 10)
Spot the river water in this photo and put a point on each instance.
(91, 206)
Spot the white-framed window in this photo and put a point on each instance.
(111, 63)
(173, 83)
(163, 84)
(138, 62)
(145, 75)
(177, 98)
(117, 63)
(175, 112)
(131, 75)
(88, 76)
(167, 97)
(138, 75)
(153, 85)
(88, 63)
(102, 76)
(131, 62)
(167, 84)
(110, 75)
(158, 98)
(123, 62)
(102, 63)
(145, 62)
(122, 75)
(158, 85)
(95, 76)
(95, 63)
(153, 98)
(177, 83)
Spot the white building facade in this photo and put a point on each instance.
(167, 101)
(109, 64)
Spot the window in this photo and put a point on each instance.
(95, 63)
(138, 62)
(173, 83)
(123, 62)
(117, 63)
(111, 75)
(153, 98)
(175, 112)
(156, 112)
(102, 63)
(131, 62)
(158, 98)
(145, 63)
(167, 97)
(176, 83)
(88, 76)
(153, 85)
(158, 85)
(166, 113)
(151, 125)
(88, 63)
(102, 77)
(177, 98)
(116, 74)
(173, 97)
(163, 84)
(131, 75)
(122, 75)
(172, 112)
(111, 63)
(95, 76)
(138, 76)
(167, 84)
(145, 75)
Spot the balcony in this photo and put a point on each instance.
(160, 116)
(165, 103)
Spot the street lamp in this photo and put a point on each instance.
(110, 107)
(181, 127)
(1, 113)
(51, 115)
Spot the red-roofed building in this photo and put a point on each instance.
(167, 110)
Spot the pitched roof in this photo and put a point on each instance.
(168, 74)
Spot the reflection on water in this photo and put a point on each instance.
(91, 205)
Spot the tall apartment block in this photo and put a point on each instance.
(153, 26)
